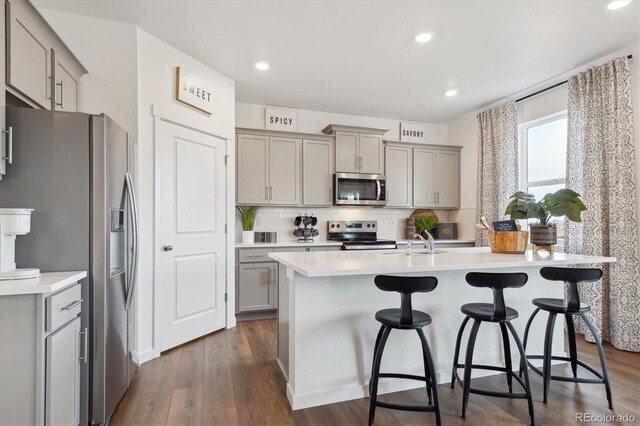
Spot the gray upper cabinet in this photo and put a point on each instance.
(32, 73)
(318, 169)
(62, 394)
(358, 149)
(424, 178)
(399, 172)
(448, 179)
(269, 170)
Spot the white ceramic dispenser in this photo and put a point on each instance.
(13, 222)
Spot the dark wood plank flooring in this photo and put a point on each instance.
(231, 378)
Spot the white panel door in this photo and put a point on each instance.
(424, 178)
(399, 172)
(253, 169)
(190, 256)
(347, 152)
(371, 153)
(285, 171)
(448, 179)
(317, 167)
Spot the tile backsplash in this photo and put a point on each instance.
(390, 221)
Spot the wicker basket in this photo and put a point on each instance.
(512, 242)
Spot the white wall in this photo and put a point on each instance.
(463, 130)
(252, 116)
(111, 85)
(157, 62)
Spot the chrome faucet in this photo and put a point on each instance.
(429, 243)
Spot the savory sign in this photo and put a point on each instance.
(412, 132)
(194, 91)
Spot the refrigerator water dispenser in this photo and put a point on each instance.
(13, 222)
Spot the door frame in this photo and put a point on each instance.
(230, 318)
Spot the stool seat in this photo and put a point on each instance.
(484, 312)
(391, 318)
(558, 306)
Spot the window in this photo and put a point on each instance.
(543, 157)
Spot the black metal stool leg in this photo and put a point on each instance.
(468, 361)
(375, 349)
(430, 373)
(603, 363)
(546, 360)
(527, 386)
(456, 353)
(523, 361)
(376, 371)
(425, 361)
(507, 355)
(573, 354)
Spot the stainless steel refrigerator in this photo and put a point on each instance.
(75, 170)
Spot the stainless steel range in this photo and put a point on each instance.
(358, 235)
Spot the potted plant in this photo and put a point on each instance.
(248, 219)
(564, 202)
(426, 224)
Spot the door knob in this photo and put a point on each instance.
(167, 247)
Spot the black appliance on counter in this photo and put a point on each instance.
(358, 235)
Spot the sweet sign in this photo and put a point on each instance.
(194, 91)
(280, 119)
(412, 132)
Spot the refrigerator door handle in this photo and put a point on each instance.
(133, 208)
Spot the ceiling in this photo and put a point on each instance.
(360, 57)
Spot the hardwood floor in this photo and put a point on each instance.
(231, 378)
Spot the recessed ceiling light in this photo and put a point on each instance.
(423, 37)
(617, 4)
(451, 92)
(262, 66)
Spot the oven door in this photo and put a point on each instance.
(355, 189)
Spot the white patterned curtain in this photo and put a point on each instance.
(497, 163)
(601, 167)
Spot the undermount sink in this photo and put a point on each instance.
(413, 253)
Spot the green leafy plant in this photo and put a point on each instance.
(564, 202)
(426, 223)
(247, 216)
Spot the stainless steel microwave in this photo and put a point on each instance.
(357, 189)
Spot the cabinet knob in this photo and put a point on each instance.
(167, 247)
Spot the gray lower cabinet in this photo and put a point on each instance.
(257, 287)
(42, 347)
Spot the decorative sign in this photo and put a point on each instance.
(194, 91)
(280, 119)
(411, 132)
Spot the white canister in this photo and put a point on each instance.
(247, 237)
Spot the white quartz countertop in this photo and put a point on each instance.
(352, 263)
(47, 282)
(325, 243)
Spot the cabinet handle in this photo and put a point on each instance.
(72, 305)
(85, 345)
(271, 193)
(438, 198)
(61, 95)
(266, 192)
(253, 256)
(9, 133)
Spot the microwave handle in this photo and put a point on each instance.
(379, 190)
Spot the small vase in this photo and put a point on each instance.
(248, 237)
(543, 235)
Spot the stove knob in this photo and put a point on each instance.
(374, 225)
(369, 225)
(333, 225)
(338, 226)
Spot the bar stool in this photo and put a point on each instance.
(404, 318)
(491, 312)
(569, 308)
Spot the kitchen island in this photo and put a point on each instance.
(327, 329)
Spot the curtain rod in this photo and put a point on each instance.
(550, 87)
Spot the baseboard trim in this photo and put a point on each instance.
(142, 357)
(251, 316)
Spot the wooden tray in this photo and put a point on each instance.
(424, 212)
(515, 242)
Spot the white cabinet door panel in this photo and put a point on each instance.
(424, 184)
(318, 170)
(399, 172)
(448, 179)
(285, 171)
(371, 154)
(347, 152)
(253, 169)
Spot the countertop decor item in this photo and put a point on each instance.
(248, 216)
(562, 203)
(426, 224)
(505, 242)
(13, 222)
(305, 227)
